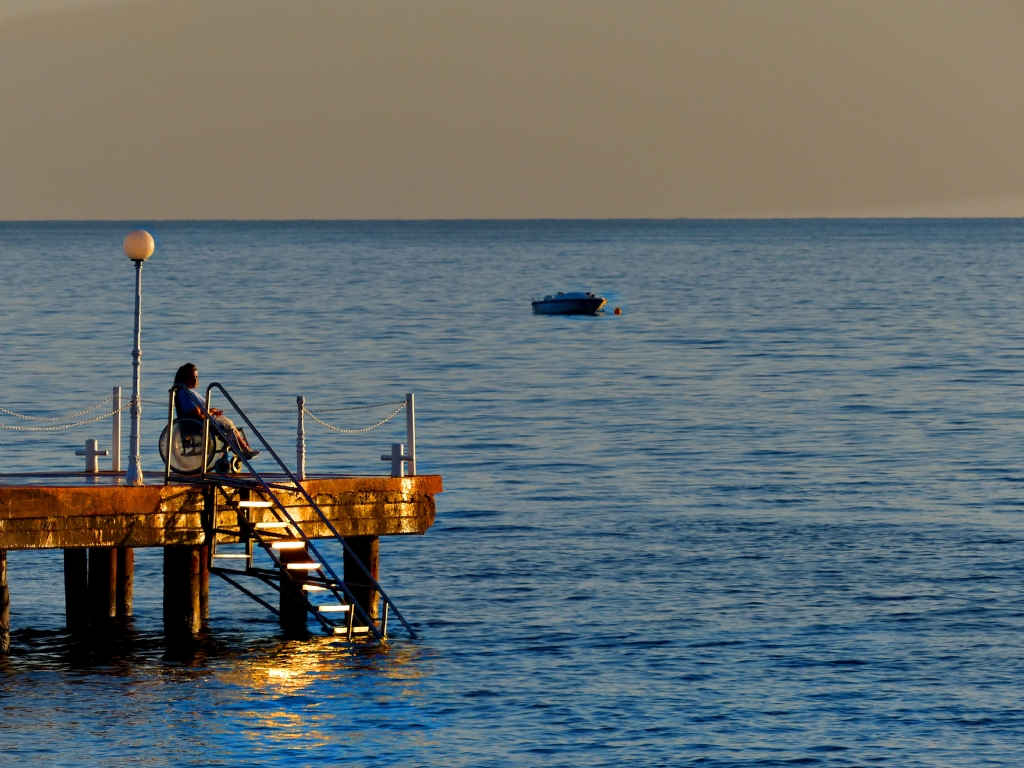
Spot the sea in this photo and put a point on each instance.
(771, 514)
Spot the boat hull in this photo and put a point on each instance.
(586, 306)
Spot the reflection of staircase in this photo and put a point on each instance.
(298, 571)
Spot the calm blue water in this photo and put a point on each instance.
(770, 515)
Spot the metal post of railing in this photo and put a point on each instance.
(300, 440)
(115, 436)
(410, 429)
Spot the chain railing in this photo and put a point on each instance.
(383, 421)
(59, 418)
(67, 426)
(91, 450)
(398, 454)
(399, 458)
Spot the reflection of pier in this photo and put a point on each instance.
(90, 513)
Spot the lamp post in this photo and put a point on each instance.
(138, 246)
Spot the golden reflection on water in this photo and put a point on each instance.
(291, 669)
(297, 664)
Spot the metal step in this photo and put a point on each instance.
(303, 566)
(332, 608)
(355, 630)
(313, 588)
(263, 504)
(272, 525)
(288, 545)
(232, 557)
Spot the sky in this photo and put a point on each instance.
(452, 109)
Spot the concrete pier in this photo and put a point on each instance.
(98, 522)
(53, 516)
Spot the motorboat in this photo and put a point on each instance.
(576, 303)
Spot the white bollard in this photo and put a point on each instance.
(396, 457)
(91, 453)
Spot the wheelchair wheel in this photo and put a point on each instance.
(229, 464)
(187, 447)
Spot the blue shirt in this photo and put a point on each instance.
(186, 400)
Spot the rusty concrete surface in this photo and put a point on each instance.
(69, 516)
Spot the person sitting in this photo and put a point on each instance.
(186, 403)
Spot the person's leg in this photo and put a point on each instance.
(236, 438)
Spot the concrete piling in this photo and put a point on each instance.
(181, 592)
(5, 606)
(76, 589)
(367, 549)
(292, 602)
(125, 584)
(102, 583)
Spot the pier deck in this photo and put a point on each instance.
(63, 511)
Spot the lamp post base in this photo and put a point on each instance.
(134, 474)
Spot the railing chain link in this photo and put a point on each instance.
(57, 418)
(355, 431)
(66, 426)
(400, 403)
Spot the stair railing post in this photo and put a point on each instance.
(410, 429)
(300, 439)
(115, 433)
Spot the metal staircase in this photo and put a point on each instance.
(306, 581)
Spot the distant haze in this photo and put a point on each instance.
(200, 109)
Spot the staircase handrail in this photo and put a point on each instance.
(205, 409)
(310, 548)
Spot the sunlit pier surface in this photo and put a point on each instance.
(76, 509)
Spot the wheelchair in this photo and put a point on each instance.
(187, 449)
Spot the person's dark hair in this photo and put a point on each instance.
(184, 373)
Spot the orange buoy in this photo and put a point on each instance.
(618, 311)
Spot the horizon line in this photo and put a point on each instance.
(519, 220)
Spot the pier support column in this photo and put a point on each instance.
(125, 589)
(204, 582)
(102, 583)
(5, 606)
(181, 592)
(367, 549)
(76, 589)
(293, 601)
